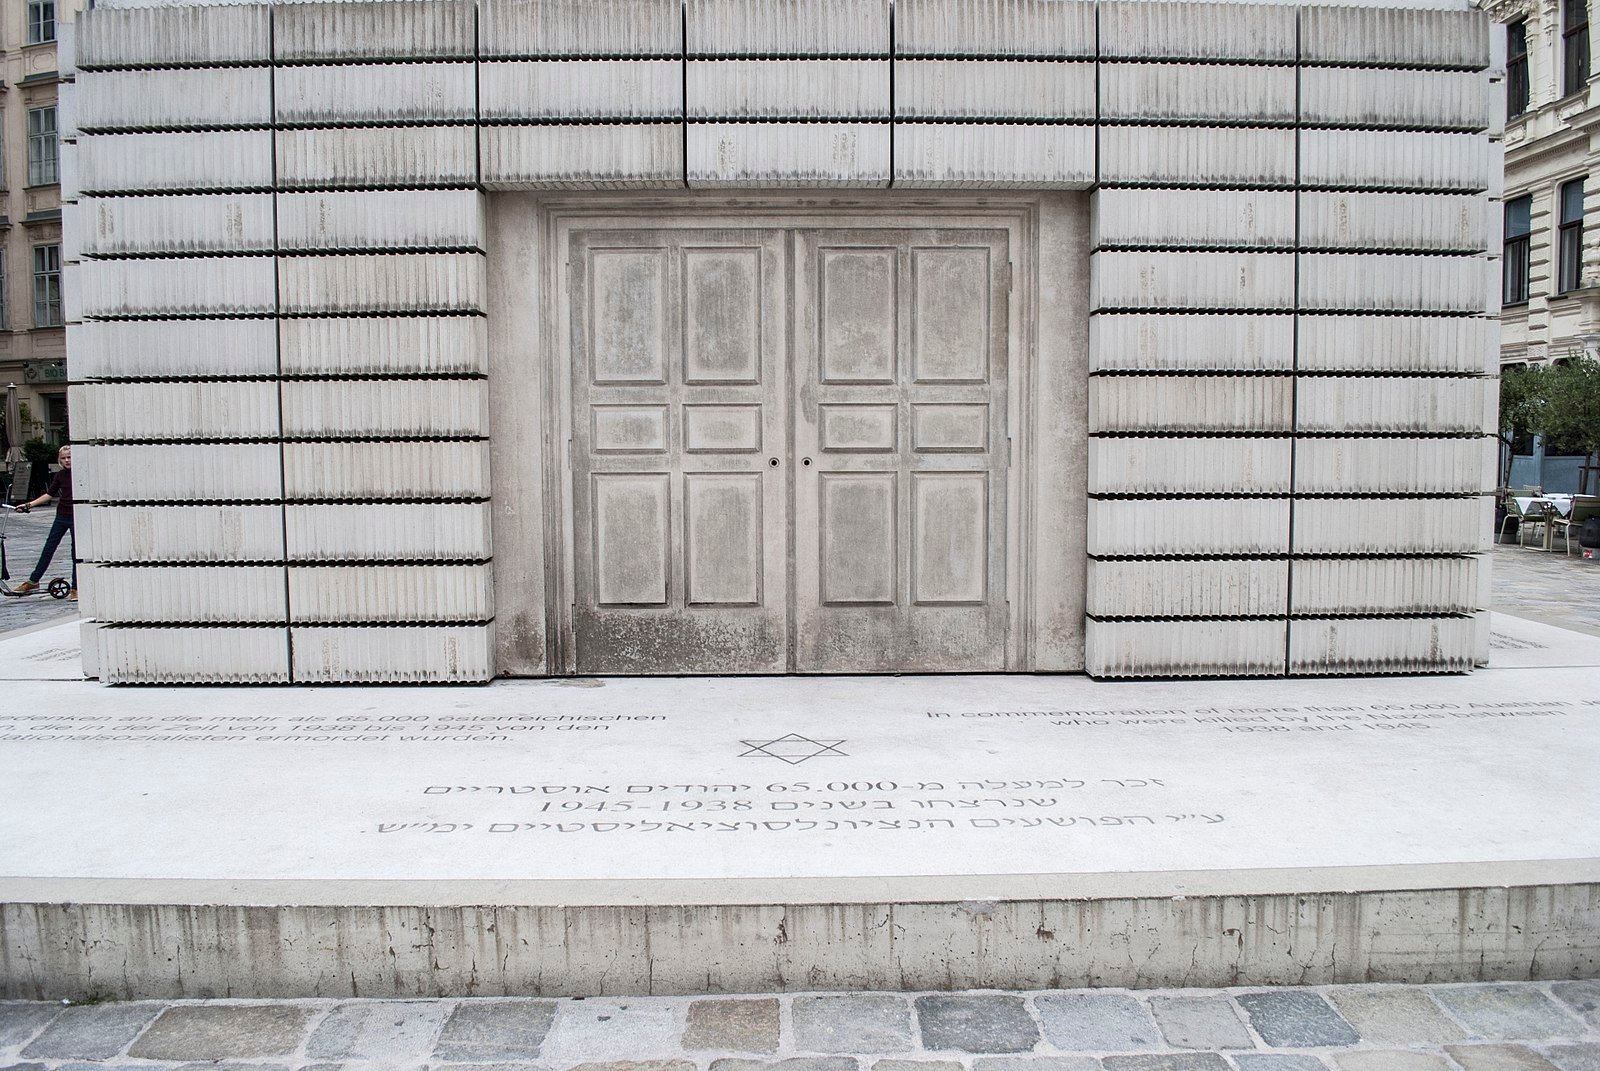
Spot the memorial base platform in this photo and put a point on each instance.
(619, 836)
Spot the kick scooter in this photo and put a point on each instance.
(58, 588)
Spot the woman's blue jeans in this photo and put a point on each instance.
(58, 528)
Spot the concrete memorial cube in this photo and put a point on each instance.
(443, 291)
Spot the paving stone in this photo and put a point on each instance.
(637, 1065)
(1395, 1016)
(23, 1067)
(386, 1030)
(916, 1065)
(1507, 1011)
(1378, 1060)
(495, 1030)
(474, 1067)
(736, 1025)
(851, 1023)
(1498, 1058)
(223, 1031)
(1581, 997)
(227, 1066)
(1575, 1057)
(1036, 1063)
(1261, 1061)
(92, 1031)
(976, 1022)
(1189, 1022)
(1096, 1022)
(1177, 1061)
(794, 1063)
(19, 1022)
(599, 1030)
(1296, 1019)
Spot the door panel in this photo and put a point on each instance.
(950, 537)
(858, 527)
(631, 539)
(860, 321)
(901, 442)
(951, 314)
(680, 523)
(629, 324)
(724, 538)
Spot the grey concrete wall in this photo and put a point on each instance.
(276, 237)
(134, 951)
(280, 372)
(1297, 258)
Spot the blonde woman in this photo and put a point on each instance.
(60, 489)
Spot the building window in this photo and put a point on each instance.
(42, 147)
(1569, 258)
(41, 21)
(47, 286)
(5, 318)
(1575, 45)
(1516, 251)
(1517, 68)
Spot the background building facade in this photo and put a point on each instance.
(32, 339)
(1551, 281)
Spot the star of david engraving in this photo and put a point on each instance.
(792, 748)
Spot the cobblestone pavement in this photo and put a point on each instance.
(24, 537)
(1555, 588)
(1479, 1027)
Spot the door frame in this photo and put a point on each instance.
(531, 400)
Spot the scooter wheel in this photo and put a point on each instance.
(58, 588)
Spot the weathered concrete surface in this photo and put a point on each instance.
(748, 835)
(147, 951)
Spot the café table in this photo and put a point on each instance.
(1538, 509)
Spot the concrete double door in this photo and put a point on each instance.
(789, 449)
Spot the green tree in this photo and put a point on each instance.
(1521, 402)
(1570, 412)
